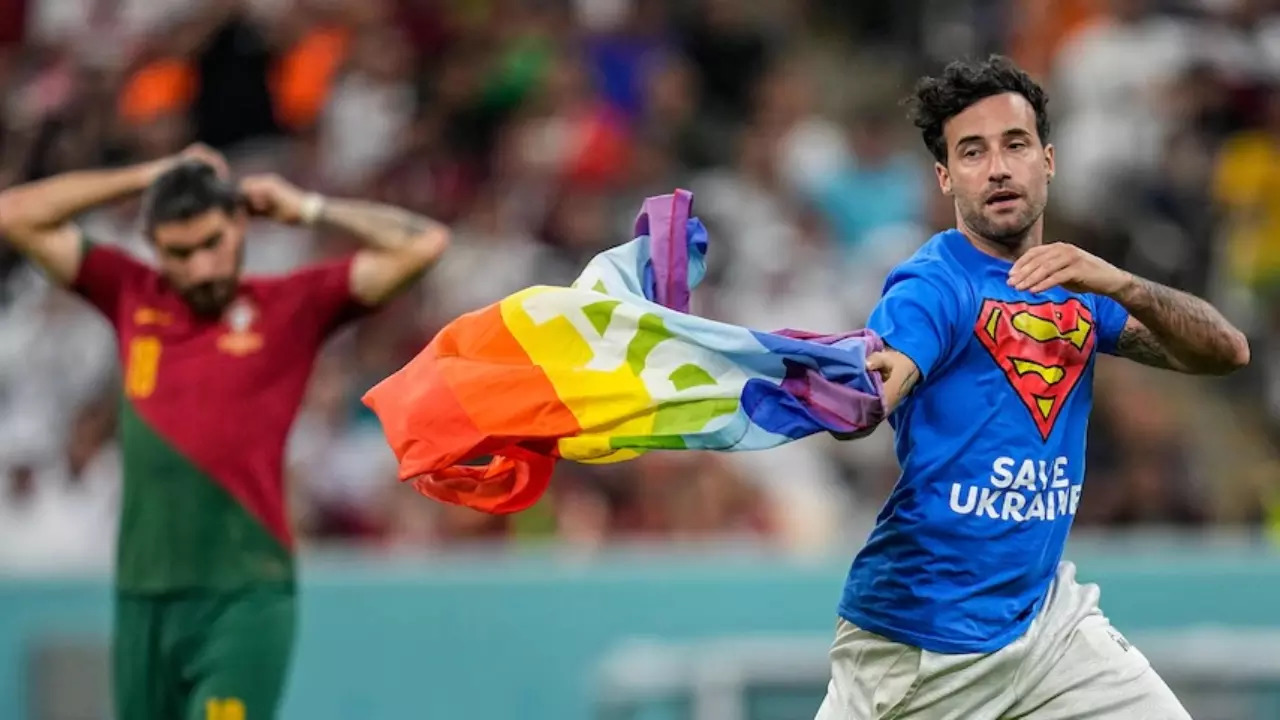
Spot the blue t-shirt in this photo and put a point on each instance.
(992, 446)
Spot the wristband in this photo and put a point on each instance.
(312, 206)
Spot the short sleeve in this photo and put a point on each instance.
(917, 315)
(105, 276)
(1111, 318)
(325, 293)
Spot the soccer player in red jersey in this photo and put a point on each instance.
(215, 368)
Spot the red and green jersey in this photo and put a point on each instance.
(207, 410)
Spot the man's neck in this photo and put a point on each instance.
(1010, 249)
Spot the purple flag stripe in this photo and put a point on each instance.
(665, 220)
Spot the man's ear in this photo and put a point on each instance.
(1050, 166)
(944, 178)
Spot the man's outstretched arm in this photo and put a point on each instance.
(899, 375)
(398, 245)
(35, 218)
(916, 317)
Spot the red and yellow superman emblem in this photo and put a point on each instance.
(1043, 349)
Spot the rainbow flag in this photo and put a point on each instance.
(609, 368)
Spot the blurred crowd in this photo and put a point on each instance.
(536, 127)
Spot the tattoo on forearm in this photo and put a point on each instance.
(382, 226)
(899, 385)
(1139, 345)
(1182, 332)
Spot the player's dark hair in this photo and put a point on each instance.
(936, 100)
(186, 190)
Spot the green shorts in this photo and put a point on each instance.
(202, 656)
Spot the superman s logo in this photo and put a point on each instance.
(1043, 349)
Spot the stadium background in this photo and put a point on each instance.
(676, 587)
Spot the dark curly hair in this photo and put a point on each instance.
(186, 190)
(936, 100)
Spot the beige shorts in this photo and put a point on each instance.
(1069, 665)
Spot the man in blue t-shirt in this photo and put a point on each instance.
(959, 605)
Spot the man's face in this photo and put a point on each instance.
(997, 170)
(201, 258)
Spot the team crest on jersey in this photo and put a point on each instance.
(1043, 349)
(240, 338)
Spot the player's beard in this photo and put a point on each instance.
(1005, 230)
(208, 299)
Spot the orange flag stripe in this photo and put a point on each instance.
(435, 414)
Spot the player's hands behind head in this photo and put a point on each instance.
(271, 196)
(199, 152)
